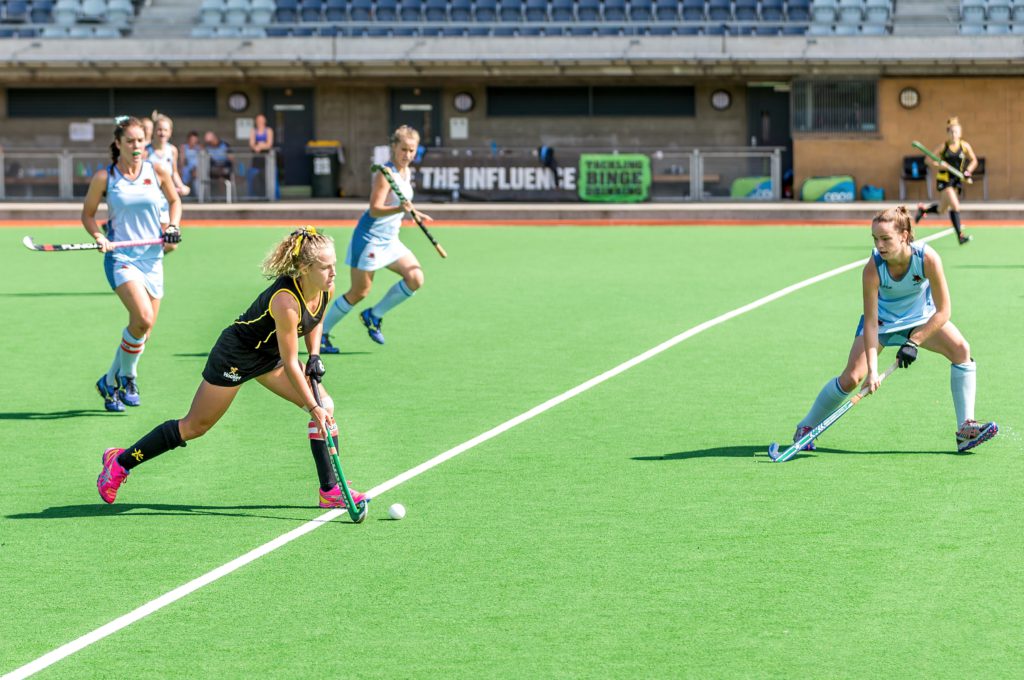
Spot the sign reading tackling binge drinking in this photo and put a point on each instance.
(614, 178)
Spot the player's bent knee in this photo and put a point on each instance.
(849, 381)
(414, 279)
(193, 429)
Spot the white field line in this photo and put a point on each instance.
(181, 591)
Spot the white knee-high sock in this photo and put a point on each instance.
(828, 400)
(115, 368)
(336, 312)
(131, 349)
(962, 383)
(395, 296)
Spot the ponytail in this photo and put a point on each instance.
(296, 252)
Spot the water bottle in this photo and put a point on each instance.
(915, 172)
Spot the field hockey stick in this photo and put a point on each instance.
(356, 511)
(398, 194)
(68, 247)
(931, 154)
(773, 448)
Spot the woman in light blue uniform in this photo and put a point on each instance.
(906, 305)
(135, 190)
(375, 245)
(161, 152)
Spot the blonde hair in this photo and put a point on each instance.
(404, 132)
(295, 253)
(159, 117)
(899, 217)
(953, 121)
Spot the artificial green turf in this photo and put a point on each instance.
(635, 530)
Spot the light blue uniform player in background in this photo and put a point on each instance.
(906, 304)
(375, 245)
(135, 190)
(160, 151)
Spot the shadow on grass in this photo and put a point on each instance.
(735, 451)
(160, 510)
(53, 415)
(760, 451)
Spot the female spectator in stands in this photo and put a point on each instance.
(188, 158)
(161, 152)
(957, 154)
(221, 160)
(375, 244)
(134, 189)
(261, 141)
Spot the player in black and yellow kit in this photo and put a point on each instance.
(262, 344)
(955, 153)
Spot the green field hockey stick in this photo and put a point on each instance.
(931, 154)
(357, 511)
(773, 449)
(398, 194)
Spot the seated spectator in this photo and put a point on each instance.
(221, 160)
(188, 158)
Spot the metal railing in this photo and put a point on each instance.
(64, 174)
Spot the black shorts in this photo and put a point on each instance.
(230, 364)
(943, 184)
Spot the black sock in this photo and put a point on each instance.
(933, 208)
(161, 438)
(324, 466)
(954, 217)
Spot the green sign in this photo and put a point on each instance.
(614, 178)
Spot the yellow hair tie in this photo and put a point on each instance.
(298, 245)
(302, 232)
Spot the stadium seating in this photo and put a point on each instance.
(66, 18)
(848, 17)
(280, 18)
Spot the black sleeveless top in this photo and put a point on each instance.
(255, 328)
(956, 159)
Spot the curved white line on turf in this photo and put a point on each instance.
(197, 583)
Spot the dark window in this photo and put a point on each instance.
(537, 101)
(643, 101)
(835, 106)
(101, 102)
(54, 103)
(179, 102)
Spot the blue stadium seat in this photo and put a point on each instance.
(303, 31)
(851, 11)
(641, 10)
(766, 29)
(535, 11)
(406, 30)
(668, 10)
(287, 11)
(614, 10)
(33, 32)
(435, 10)
(336, 10)
(324, 31)
(360, 10)
(588, 10)
(386, 10)
(563, 10)
(772, 10)
(609, 30)
(510, 11)
(873, 29)
(453, 31)
(277, 31)
(719, 10)
(15, 11)
(310, 10)
(41, 12)
(486, 10)
(794, 30)
(669, 30)
(430, 31)
(504, 31)
(1018, 13)
(236, 12)
(412, 10)
(798, 10)
(692, 11)
(715, 29)
(531, 29)
(998, 11)
(745, 10)
(460, 10)
(997, 29)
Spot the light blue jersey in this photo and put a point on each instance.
(904, 303)
(375, 243)
(380, 230)
(133, 207)
(157, 158)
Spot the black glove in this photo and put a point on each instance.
(172, 234)
(907, 354)
(314, 367)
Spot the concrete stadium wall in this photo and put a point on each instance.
(990, 109)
